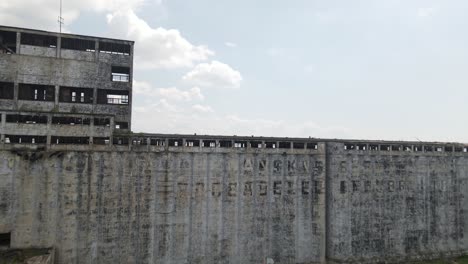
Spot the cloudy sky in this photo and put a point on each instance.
(393, 69)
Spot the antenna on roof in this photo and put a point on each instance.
(60, 18)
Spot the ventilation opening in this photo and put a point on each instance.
(120, 74)
(101, 140)
(6, 90)
(70, 140)
(101, 121)
(20, 139)
(114, 48)
(120, 141)
(78, 44)
(157, 142)
(66, 120)
(225, 144)
(209, 143)
(36, 92)
(7, 42)
(175, 142)
(38, 40)
(75, 95)
(121, 125)
(112, 97)
(26, 119)
(5, 239)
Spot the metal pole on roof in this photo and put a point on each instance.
(60, 18)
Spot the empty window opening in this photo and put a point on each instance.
(407, 148)
(78, 44)
(458, 149)
(385, 148)
(439, 149)
(396, 147)
(114, 48)
(312, 146)
(428, 148)
(157, 142)
(70, 140)
(120, 140)
(465, 149)
(121, 125)
(36, 92)
(240, 144)
(255, 144)
(70, 120)
(361, 147)
(448, 149)
(225, 144)
(21, 139)
(75, 95)
(38, 40)
(7, 42)
(298, 145)
(175, 142)
(270, 145)
(101, 121)
(117, 97)
(284, 145)
(101, 140)
(418, 148)
(373, 147)
(5, 239)
(120, 74)
(209, 143)
(26, 119)
(349, 146)
(139, 141)
(192, 143)
(6, 90)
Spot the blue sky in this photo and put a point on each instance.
(390, 69)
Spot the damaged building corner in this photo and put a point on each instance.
(77, 186)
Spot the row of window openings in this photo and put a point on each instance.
(62, 120)
(8, 43)
(67, 94)
(405, 148)
(213, 144)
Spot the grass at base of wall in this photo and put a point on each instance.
(459, 260)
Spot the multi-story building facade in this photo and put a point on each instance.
(60, 88)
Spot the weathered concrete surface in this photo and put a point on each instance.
(197, 206)
(393, 206)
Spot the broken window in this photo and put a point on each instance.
(121, 140)
(385, 147)
(78, 44)
(312, 146)
(101, 140)
(7, 42)
(361, 147)
(240, 144)
(298, 145)
(114, 48)
(21, 139)
(439, 149)
(396, 147)
(120, 74)
(26, 119)
(448, 149)
(225, 144)
(209, 143)
(157, 142)
(5, 239)
(374, 147)
(38, 40)
(6, 90)
(349, 146)
(101, 121)
(407, 148)
(70, 120)
(417, 148)
(117, 97)
(121, 125)
(175, 142)
(192, 143)
(458, 149)
(139, 141)
(75, 95)
(36, 92)
(428, 148)
(70, 140)
(284, 145)
(270, 144)
(255, 144)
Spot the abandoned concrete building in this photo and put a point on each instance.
(76, 180)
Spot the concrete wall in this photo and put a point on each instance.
(192, 205)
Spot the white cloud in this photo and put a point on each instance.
(230, 44)
(214, 75)
(202, 108)
(426, 12)
(175, 94)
